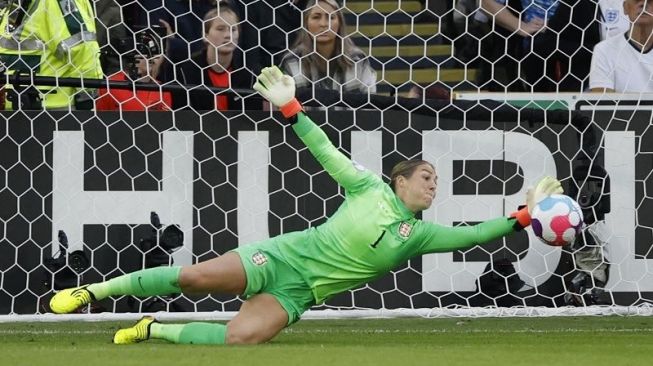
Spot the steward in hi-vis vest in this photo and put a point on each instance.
(49, 38)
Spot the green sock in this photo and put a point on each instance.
(191, 333)
(143, 283)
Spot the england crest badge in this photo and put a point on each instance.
(259, 259)
(405, 229)
(611, 16)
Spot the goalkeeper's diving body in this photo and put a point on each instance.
(372, 232)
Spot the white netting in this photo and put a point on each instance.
(81, 186)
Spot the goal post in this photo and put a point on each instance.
(88, 195)
(228, 178)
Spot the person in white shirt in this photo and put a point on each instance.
(625, 63)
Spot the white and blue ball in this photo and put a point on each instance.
(557, 219)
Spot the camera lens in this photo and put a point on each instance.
(78, 261)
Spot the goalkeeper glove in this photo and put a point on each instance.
(278, 89)
(544, 188)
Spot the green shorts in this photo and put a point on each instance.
(268, 273)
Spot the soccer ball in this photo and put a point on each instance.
(557, 219)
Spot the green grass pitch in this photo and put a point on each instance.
(404, 342)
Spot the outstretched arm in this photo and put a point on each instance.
(438, 238)
(279, 89)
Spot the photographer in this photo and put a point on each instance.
(142, 57)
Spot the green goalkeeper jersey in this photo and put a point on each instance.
(372, 231)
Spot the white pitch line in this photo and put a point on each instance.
(53, 331)
(363, 331)
(461, 331)
(439, 313)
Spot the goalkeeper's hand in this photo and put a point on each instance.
(545, 187)
(278, 89)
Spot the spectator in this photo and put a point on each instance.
(183, 23)
(218, 64)
(39, 38)
(141, 100)
(625, 63)
(558, 37)
(322, 55)
(266, 28)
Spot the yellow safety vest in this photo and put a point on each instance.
(54, 38)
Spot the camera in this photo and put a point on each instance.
(585, 290)
(64, 270)
(593, 192)
(144, 42)
(158, 247)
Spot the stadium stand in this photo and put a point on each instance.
(404, 50)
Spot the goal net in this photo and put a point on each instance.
(90, 194)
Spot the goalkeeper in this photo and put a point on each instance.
(373, 231)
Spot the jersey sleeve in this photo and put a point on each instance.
(439, 238)
(601, 68)
(347, 173)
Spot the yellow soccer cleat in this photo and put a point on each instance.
(67, 301)
(137, 333)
